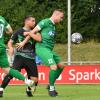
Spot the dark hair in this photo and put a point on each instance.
(27, 17)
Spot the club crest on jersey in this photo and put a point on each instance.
(51, 33)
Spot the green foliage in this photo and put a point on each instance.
(86, 18)
(15, 10)
(85, 15)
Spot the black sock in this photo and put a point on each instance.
(6, 81)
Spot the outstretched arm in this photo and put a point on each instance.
(34, 34)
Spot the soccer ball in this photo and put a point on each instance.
(76, 38)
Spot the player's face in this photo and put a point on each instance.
(31, 22)
(59, 17)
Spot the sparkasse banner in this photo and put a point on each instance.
(74, 74)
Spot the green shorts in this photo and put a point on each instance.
(47, 56)
(3, 58)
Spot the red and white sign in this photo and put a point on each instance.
(76, 74)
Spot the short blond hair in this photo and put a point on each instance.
(58, 10)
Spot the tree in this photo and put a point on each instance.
(86, 18)
(15, 10)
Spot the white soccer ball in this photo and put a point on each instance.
(76, 38)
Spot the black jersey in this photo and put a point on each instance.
(28, 51)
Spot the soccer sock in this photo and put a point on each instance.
(6, 81)
(28, 88)
(16, 74)
(58, 72)
(52, 88)
(52, 79)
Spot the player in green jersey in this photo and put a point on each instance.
(5, 27)
(44, 49)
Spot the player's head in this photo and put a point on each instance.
(57, 15)
(29, 21)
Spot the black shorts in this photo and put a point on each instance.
(28, 64)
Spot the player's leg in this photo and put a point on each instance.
(47, 58)
(32, 72)
(4, 84)
(14, 73)
(6, 81)
(31, 69)
(17, 64)
(60, 65)
(59, 69)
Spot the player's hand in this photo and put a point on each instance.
(26, 33)
(20, 45)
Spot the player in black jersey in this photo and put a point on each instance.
(24, 57)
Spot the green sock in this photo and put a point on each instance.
(52, 77)
(16, 74)
(58, 72)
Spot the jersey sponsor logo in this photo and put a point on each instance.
(52, 33)
(1, 30)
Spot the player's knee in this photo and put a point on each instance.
(60, 65)
(6, 70)
(53, 67)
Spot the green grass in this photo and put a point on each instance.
(66, 92)
(82, 52)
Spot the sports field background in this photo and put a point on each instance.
(89, 51)
(66, 92)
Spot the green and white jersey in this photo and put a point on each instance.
(47, 30)
(3, 26)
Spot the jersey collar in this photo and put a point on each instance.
(52, 21)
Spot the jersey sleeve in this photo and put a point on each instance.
(7, 25)
(42, 24)
(14, 36)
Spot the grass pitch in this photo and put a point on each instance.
(81, 52)
(66, 92)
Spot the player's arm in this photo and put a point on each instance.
(39, 26)
(21, 44)
(36, 37)
(10, 47)
(10, 52)
(12, 40)
(9, 30)
(34, 34)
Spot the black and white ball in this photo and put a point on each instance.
(76, 38)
